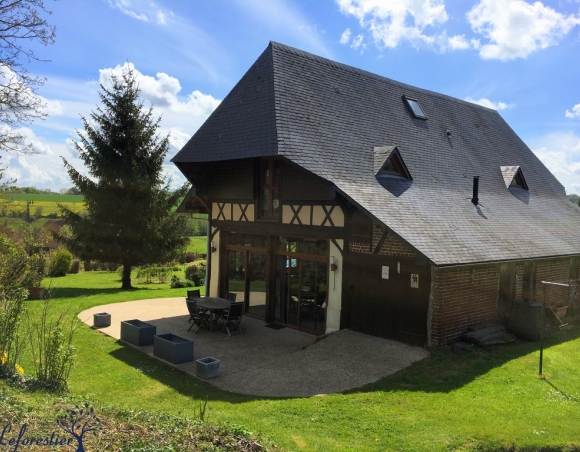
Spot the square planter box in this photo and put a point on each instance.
(137, 332)
(101, 320)
(207, 368)
(173, 348)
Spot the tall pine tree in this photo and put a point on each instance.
(129, 216)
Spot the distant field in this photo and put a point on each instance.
(45, 198)
(38, 209)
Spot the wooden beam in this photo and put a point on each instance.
(381, 241)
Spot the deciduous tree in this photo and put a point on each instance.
(129, 204)
(21, 22)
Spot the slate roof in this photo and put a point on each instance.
(329, 118)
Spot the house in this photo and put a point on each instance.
(338, 198)
(52, 228)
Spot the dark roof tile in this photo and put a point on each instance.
(298, 114)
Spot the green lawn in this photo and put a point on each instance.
(484, 400)
(198, 244)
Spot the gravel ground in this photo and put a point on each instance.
(267, 362)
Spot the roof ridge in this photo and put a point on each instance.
(329, 62)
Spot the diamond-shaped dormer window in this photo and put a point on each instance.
(389, 163)
(513, 177)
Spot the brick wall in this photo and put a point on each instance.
(557, 270)
(391, 246)
(462, 297)
(360, 247)
(465, 296)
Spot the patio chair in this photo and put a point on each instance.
(199, 318)
(191, 294)
(194, 294)
(231, 296)
(234, 318)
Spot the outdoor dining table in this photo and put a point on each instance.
(214, 305)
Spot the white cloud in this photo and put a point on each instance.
(345, 37)
(390, 23)
(356, 42)
(162, 92)
(161, 20)
(44, 169)
(515, 28)
(181, 116)
(560, 152)
(125, 7)
(459, 42)
(489, 104)
(575, 113)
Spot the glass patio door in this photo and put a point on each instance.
(301, 286)
(246, 277)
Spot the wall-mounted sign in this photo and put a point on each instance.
(414, 280)
(385, 272)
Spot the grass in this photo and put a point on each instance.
(484, 400)
(198, 244)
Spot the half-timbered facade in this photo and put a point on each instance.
(341, 199)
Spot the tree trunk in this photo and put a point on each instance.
(126, 279)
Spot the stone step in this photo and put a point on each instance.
(488, 334)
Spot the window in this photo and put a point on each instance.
(415, 107)
(519, 181)
(388, 162)
(513, 177)
(393, 167)
(269, 195)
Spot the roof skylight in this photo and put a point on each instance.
(415, 107)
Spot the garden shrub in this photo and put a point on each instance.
(75, 266)
(177, 283)
(154, 274)
(190, 256)
(13, 262)
(60, 262)
(12, 340)
(87, 266)
(195, 272)
(51, 348)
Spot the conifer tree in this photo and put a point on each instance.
(129, 218)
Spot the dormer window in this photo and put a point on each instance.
(388, 162)
(415, 108)
(513, 177)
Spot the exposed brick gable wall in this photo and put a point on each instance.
(391, 246)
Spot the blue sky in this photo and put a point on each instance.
(519, 57)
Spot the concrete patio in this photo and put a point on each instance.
(268, 362)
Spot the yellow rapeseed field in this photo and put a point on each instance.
(38, 208)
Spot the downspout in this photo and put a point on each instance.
(208, 257)
(430, 310)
